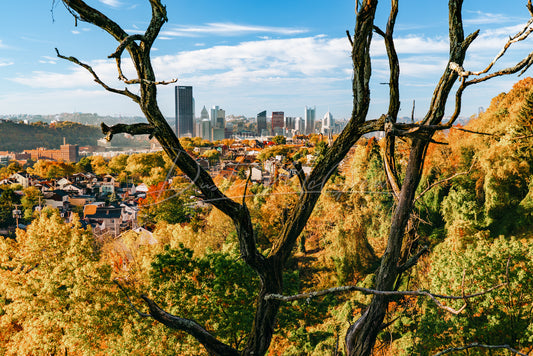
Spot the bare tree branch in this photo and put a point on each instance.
(349, 38)
(91, 15)
(191, 327)
(300, 173)
(431, 186)
(133, 129)
(520, 36)
(125, 43)
(413, 260)
(475, 344)
(141, 314)
(125, 92)
(344, 289)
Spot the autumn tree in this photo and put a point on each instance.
(269, 267)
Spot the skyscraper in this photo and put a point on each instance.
(328, 124)
(261, 122)
(278, 122)
(184, 111)
(309, 120)
(218, 117)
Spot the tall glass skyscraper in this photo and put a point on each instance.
(184, 111)
(261, 122)
(309, 120)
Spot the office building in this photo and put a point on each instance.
(204, 115)
(205, 128)
(184, 103)
(218, 118)
(261, 122)
(299, 125)
(278, 121)
(309, 120)
(289, 123)
(328, 124)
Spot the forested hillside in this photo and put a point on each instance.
(474, 212)
(17, 136)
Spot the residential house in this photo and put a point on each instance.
(57, 199)
(105, 220)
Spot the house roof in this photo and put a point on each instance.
(103, 213)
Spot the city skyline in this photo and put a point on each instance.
(293, 54)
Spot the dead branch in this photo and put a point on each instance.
(470, 131)
(300, 173)
(246, 187)
(125, 43)
(344, 289)
(125, 92)
(475, 344)
(145, 81)
(349, 38)
(141, 314)
(431, 186)
(212, 344)
(134, 129)
(520, 36)
(413, 260)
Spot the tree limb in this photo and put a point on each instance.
(125, 92)
(344, 289)
(413, 260)
(125, 43)
(91, 15)
(444, 181)
(394, 101)
(133, 129)
(475, 344)
(300, 173)
(141, 314)
(520, 36)
(191, 327)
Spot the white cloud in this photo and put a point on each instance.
(256, 61)
(75, 32)
(6, 63)
(2, 45)
(112, 3)
(411, 45)
(228, 29)
(485, 18)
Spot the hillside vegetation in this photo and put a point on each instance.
(17, 136)
(474, 213)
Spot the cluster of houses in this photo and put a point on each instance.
(87, 194)
(244, 158)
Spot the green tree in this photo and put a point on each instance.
(56, 296)
(279, 140)
(32, 198)
(502, 317)
(7, 200)
(213, 288)
(84, 165)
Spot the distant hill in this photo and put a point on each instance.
(18, 136)
(82, 118)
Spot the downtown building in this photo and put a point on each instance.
(278, 123)
(262, 123)
(328, 124)
(309, 119)
(184, 104)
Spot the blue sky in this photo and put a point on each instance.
(245, 56)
